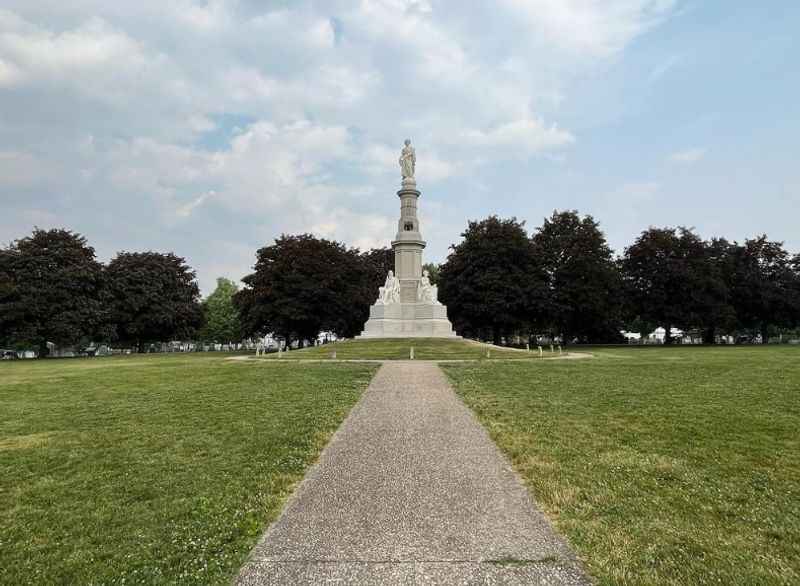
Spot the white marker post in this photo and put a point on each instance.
(411, 353)
(541, 352)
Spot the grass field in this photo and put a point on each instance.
(662, 466)
(154, 469)
(398, 349)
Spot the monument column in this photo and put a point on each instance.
(408, 243)
(408, 303)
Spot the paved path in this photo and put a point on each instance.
(411, 490)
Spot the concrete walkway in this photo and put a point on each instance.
(411, 490)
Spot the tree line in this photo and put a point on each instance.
(564, 281)
(499, 283)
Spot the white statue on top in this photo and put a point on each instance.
(426, 292)
(408, 162)
(390, 292)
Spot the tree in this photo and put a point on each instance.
(669, 279)
(303, 285)
(377, 263)
(583, 281)
(764, 286)
(50, 289)
(153, 297)
(433, 272)
(491, 282)
(715, 309)
(220, 315)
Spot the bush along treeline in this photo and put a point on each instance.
(499, 283)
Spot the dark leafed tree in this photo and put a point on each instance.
(668, 279)
(583, 280)
(491, 282)
(377, 262)
(221, 318)
(715, 312)
(303, 285)
(764, 286)
(152, 297)
(50, 289)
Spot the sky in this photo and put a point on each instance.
(209, 128)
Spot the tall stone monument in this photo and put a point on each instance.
(408, 304)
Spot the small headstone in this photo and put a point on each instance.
(551, 348)
(333, 355)
(541, 352)
(488, 355)
(559, 349)
(528, 347)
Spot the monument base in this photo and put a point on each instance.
(408, 320)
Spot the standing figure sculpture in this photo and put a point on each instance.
(408, 161)
(390, 292)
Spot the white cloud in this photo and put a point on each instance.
(594, 27)
(688, 156)
(526, 137)
(236, 120)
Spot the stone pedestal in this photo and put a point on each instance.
(409, 318)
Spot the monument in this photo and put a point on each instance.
(408, 304)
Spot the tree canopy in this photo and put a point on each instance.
(221, 318)
(50, 289)
(583, 282)
(491, 282)
(152, 297)
(764, 285)
(303, 285)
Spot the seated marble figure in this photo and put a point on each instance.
(427, 292)
(390, 292)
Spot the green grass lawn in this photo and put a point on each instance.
(154, 469)
(398, 349)
(662, 466)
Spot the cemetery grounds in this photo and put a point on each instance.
(660, 465)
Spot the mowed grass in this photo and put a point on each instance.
(399, 349)
(662, 466)
(154, 469)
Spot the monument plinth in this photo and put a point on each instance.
(408, 304)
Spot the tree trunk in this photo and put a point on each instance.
(496, 336)
(140, 346)
(43, 349)
(710, 335)
(764, 333)
(668, 335)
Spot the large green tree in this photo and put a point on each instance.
(50, 290)
(670, 280)
(303, 285)
(153, 297)
(764, 286)
(221, 318)
(491, 282)
(583, 280)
